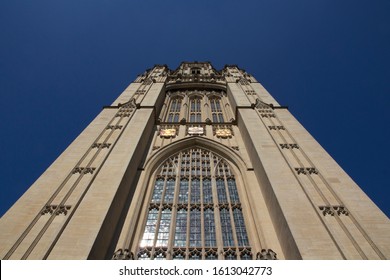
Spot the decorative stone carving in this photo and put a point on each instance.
(168, 132)
(49, 209)
(223, 133)
(266, 254)
(332, 210)
(62, 210)
(289, 146)
(276, 127)
(195, 130)
(267, 115)
(56, 209)
(113, 127)
(84, 170)
(235, 148)
(327, 210)
(101, 145)
(307, 170)
(123, 255)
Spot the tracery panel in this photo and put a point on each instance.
(194, 191)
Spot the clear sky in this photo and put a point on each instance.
(61, 61)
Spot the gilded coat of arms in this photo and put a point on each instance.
(223, 132)
(168, 132)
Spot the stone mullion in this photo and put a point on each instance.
(232, 223)
(310, 199)
(217, 215)
(251, 100)
(63, 201)
(145, 91)
(165, 109)
(185, 111)
(301, 165)
(325, 199)
(202, 227)
(57, 191)
(340, 222)
(351, 216)
(228, 115)
(172, 230)
(96, 171)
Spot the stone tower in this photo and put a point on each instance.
(194, 163)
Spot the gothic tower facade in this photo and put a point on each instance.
(194, 163)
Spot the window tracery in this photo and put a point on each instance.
(174, 110)
(183, 211)
(196, 106)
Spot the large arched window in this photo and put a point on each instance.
(194, 211)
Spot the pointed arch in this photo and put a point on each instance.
(195, 209)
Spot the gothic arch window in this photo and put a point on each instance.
(195, 109)
(195, 211)
(174, 110)
(216, 110)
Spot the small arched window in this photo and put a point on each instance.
(216, 110)
(195, 109)
(174, 110)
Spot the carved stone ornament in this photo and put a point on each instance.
(168, 132)
(266, 255)
(223, 132)
(123, 255)
(195, 131)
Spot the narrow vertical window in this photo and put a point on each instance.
(195, 228)
(170, 191)
(158, 190)
(233, 194)
(222, 198)
(195, 191)
(181, 228)
(209, 228)
(150, 228)
(226, 226)
(207, 191)
(242, 237)
(183, 192)
(174, 110)
(195, 110)
(216, 110)
(163, 231)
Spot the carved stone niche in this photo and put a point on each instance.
(266, 254)
(121, 254)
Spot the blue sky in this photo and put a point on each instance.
(61, 61)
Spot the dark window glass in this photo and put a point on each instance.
(195, 228)
(226, 227)
(181, 228)
(242, 237)
(209, 228)
(222, 198)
